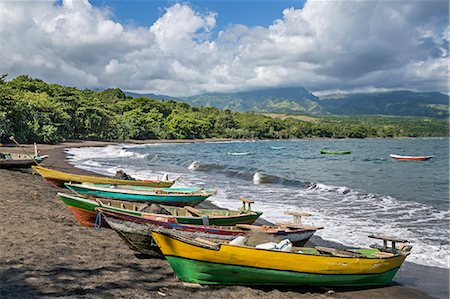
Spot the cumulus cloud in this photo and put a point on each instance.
(326, 45)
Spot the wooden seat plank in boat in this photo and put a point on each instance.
(246, 204)
(194, 211)
(297, 216)
(387, 238)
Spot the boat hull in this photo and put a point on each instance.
(411, 158)
(179, 201)
(335, 152)
(11, 164)
(85, 212)
(59, 178)
(227, 264)
(211, 273)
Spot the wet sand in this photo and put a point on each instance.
(45, 253)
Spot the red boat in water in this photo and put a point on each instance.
(413, 158)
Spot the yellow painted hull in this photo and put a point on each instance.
(59, 178)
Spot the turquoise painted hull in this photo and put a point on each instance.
(167, 199)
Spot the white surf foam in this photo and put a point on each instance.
(107, 152)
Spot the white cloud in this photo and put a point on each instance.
(327, 45)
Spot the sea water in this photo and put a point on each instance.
(352, 196)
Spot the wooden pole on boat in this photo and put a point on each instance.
(15, 141)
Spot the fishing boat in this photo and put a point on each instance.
(413, 158)
(239, 153)
(324, 151)
(59, 178)
(171, 196)
(209, 261)
(12, 160)
(136, 230)
(84, 210)
(25, 160)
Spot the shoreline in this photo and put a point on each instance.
(407, 283)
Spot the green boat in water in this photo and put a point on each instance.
(324, 151)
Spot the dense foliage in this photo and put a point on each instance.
(35, 111)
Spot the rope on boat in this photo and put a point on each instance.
(98, 221)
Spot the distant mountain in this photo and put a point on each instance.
(294, 100)
(152, 96)
(281, 100)
(403, 103)
(298, 100)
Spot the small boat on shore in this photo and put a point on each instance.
(84, 210)
(169, 196)
(209, 261)
(412, 158)
(12, 160)
(25, 160)
(59, 178)
(324, 151)
(136, 231)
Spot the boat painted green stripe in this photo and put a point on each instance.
(90, 206)
(84, 205)
(212, 273)
(220, 221)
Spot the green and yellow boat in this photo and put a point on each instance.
(217, 262)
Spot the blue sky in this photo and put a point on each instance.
(193, 47)
(248, 12)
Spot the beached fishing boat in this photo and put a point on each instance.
(136, 230)
(170, 196)
(324, 151)
(59, 178)
(208, 261)
(84, 210)
(413, 158)
(15, 160)
(12, 160)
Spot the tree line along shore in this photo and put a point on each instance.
(35, 111)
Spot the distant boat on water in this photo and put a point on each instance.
(324, 151)
(238, 153)
(413, 158)
(277, 147)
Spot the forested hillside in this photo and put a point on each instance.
(35, 111)
(298, 100)
(402, 102)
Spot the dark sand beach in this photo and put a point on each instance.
(45, 253)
